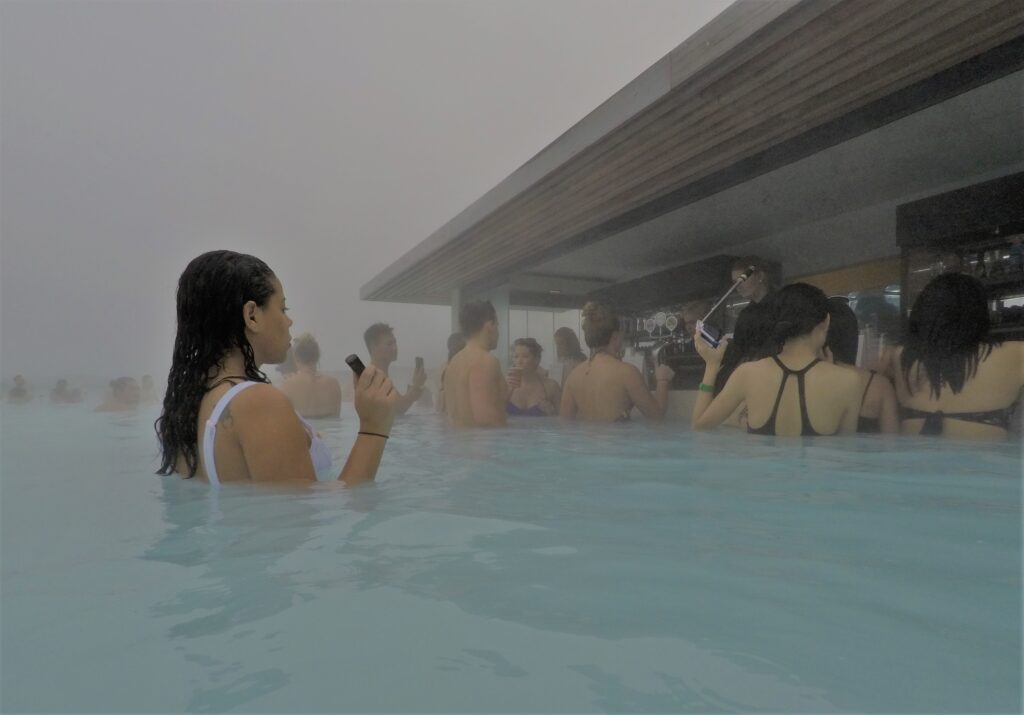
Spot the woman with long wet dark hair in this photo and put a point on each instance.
(222, 419)
(954, 378)
(793, 392)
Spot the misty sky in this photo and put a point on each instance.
(327, 138)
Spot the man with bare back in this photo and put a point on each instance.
(475, 391)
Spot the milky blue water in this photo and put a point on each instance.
(535, 569)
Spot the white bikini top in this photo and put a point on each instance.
(318, 450)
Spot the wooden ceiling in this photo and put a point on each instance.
(758, 77)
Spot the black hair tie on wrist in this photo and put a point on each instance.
(376, 434)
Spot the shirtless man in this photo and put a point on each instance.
(380, 342)
(475, 391)
(604, 388)
(312, 393)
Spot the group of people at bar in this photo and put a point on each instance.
(788, 370)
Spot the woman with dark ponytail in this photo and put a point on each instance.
(221, 419)
(791, 393)
(954, 378)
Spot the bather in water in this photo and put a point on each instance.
(793, 393)
(954, 378)
(313, 393)
(604, 388)
(222, 419)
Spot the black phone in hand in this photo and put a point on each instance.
(356, 364)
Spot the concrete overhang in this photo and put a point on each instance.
(803, 107)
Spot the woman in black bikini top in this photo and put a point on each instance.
(806, 430)
(800, 316)
(948, 348)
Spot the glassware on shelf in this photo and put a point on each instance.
(1015, 263)
(979, 266)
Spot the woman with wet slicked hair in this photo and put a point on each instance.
(222, 419)
(793, 393)
(954, 378)
(604, 388)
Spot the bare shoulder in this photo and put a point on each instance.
(262, 398)
(1010, 357)
(578, 369)
(747, 368)
(631, 371)
(573, 376)
(850, 377)
(1011, 349)
(488, 362)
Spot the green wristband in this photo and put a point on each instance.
(704, 387)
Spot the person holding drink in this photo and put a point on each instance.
(531, 394)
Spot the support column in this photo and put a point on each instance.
(500, 299)
(456, 307)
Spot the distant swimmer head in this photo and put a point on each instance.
(478, 319)
(306, 351)
(800, 310)
(601, 328)
(126, 390)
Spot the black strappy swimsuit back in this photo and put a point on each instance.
(934, 422)
(806, 430)
(868, 425)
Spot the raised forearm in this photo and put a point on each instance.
(407, 400)
(364, 459)
(704, 399)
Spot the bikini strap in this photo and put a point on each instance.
(209, 434)
(226, 398)
(801, 371)
(933, 423)
(866, 388)
(770, 424)
(805, 419)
